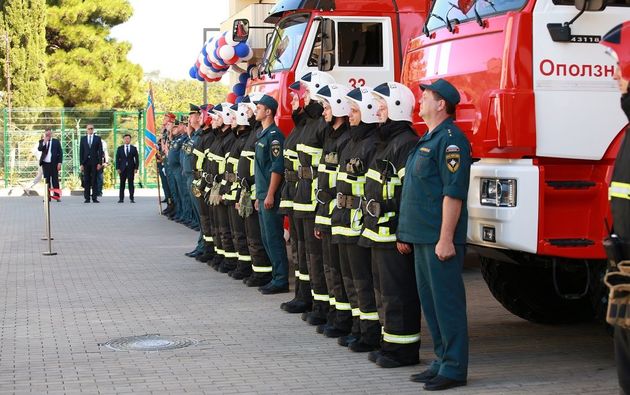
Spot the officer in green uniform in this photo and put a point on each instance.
(268, 170)
(184, 160)
(188, 159)
(175, 171)
(433, 218)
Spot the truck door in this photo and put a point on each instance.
(577, 110)
(362, 53)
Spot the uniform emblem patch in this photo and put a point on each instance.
(275, 148)
(425, 149)
(452, 161)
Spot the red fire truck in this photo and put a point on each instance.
(363, 43)
(541, 110)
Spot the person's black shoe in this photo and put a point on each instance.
(205, 257)
(373, 355)
(131, 200)
(95, 201)
(315, 320)
(239, 275)
(334, 333)
(268, 285)
(256, 281)
(439, 383)
(86, 201)
(423, 377)
(346, 340)
(359, 346)
(196, 228)
(297, 307)
(121, 201)
(195, 254)
(321, 328)
(189, 254)
(305, 315)
(275, 290)
(387, 362)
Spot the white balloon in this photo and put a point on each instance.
(226, 52)
(229, 41)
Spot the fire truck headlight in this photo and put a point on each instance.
(498, 192)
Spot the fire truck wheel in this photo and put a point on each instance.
(528, 292)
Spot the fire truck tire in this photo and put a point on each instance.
(528, 292)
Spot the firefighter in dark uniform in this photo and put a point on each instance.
(168, 170)
(261, 265)
(393, 272)
(187, 158)
(188, 217)
(241, 130)
(268, 171)
(434, 218)
(309, 148)
(347, 221)
(218, 154)
(336, 110)
(175, 168)
(198, 117)
(618, 42)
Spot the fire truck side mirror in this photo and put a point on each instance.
(590, 5)
(240, 30)
(465, 5)
(328, 35)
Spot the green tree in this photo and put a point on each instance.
(175, 95)
(86, 67)
(24, 22)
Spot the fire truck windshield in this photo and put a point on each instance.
(443, 9)
(285, 43)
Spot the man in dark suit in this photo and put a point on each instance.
(50, 160)
(127, 166)
(91, 154)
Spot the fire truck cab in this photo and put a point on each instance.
(363, 44)
(541, 111)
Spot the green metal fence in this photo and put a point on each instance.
(23, 127)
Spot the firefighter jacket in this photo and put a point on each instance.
(230, 190)
(309, 148)
(326, 192)
(218, 153)
(347, 216)
(291, 163)
(383, 185)
(245, 166)
(619, 192)
(438, 166)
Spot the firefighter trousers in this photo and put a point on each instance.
(315, 264)
(261, 266)
(237, 227)
(340, 313)
(194, 204)
(304, 278)
(170, 177)
(295, 250)
(346, 252)
(397, 303)
(206, 228)
(622, 356)
(225, 233)
(216, 236)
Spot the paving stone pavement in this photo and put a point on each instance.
(120, 271)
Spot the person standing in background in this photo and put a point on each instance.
(50, 160)
(127, 166)
(91, 156)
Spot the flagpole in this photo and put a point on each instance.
(157, 145)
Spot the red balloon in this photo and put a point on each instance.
(221, 42)
(234, 60)
(231, 97)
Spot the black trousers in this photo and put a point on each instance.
(51, 175)
(261, 265)
(126, 176)
(315, 264)
(205, 224)
(340, 312)
(302, 274)
(89, 181)
(225, 233)
(622, 356)
(345, 253)
(237, 229)
(397, 302)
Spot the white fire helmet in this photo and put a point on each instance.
(400, 100)
(239, 111)
(315, 80)
(251, 98)
(335, 95)
(364, 98)
(223, 110)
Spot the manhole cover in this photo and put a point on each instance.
(154, 342)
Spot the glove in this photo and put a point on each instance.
(245, 206)
(619, 298)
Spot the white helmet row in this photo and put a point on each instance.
(239, 112)
(364, 98)
(335, 95)
(314, 81)
(223, 110)
(400, 100)
(250, 99)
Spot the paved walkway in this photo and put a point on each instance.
(121, 272)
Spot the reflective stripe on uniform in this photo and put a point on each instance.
(208, 238)
(343, 231)
(358, 185)
(321, 220)
(200, 157)
(356, 312)
(230, 254)
(401, 339)
(373, 175)
(401, 173)
(331, 300)
(297, 274)
(286, 203)
(219, 251)
(343, 306)
(304, 207)
(244, 258)
(320, 297)
(619, 190)
(378, 237)
(261, 269)
(304, 277)
(314, 152)
(368, 316)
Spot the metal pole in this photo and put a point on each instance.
(205, 38)
(6, 147)
(47, 207)
(8, 72)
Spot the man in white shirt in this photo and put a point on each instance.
(127, 166)
(50, 160)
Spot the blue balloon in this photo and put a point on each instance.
(206, 61)
(199, 77)
(193, 72)
(238, 99)
(243, 78)
(215, 69)
(242, 49)
(204, 51)
(239, 89)
(216, 55)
